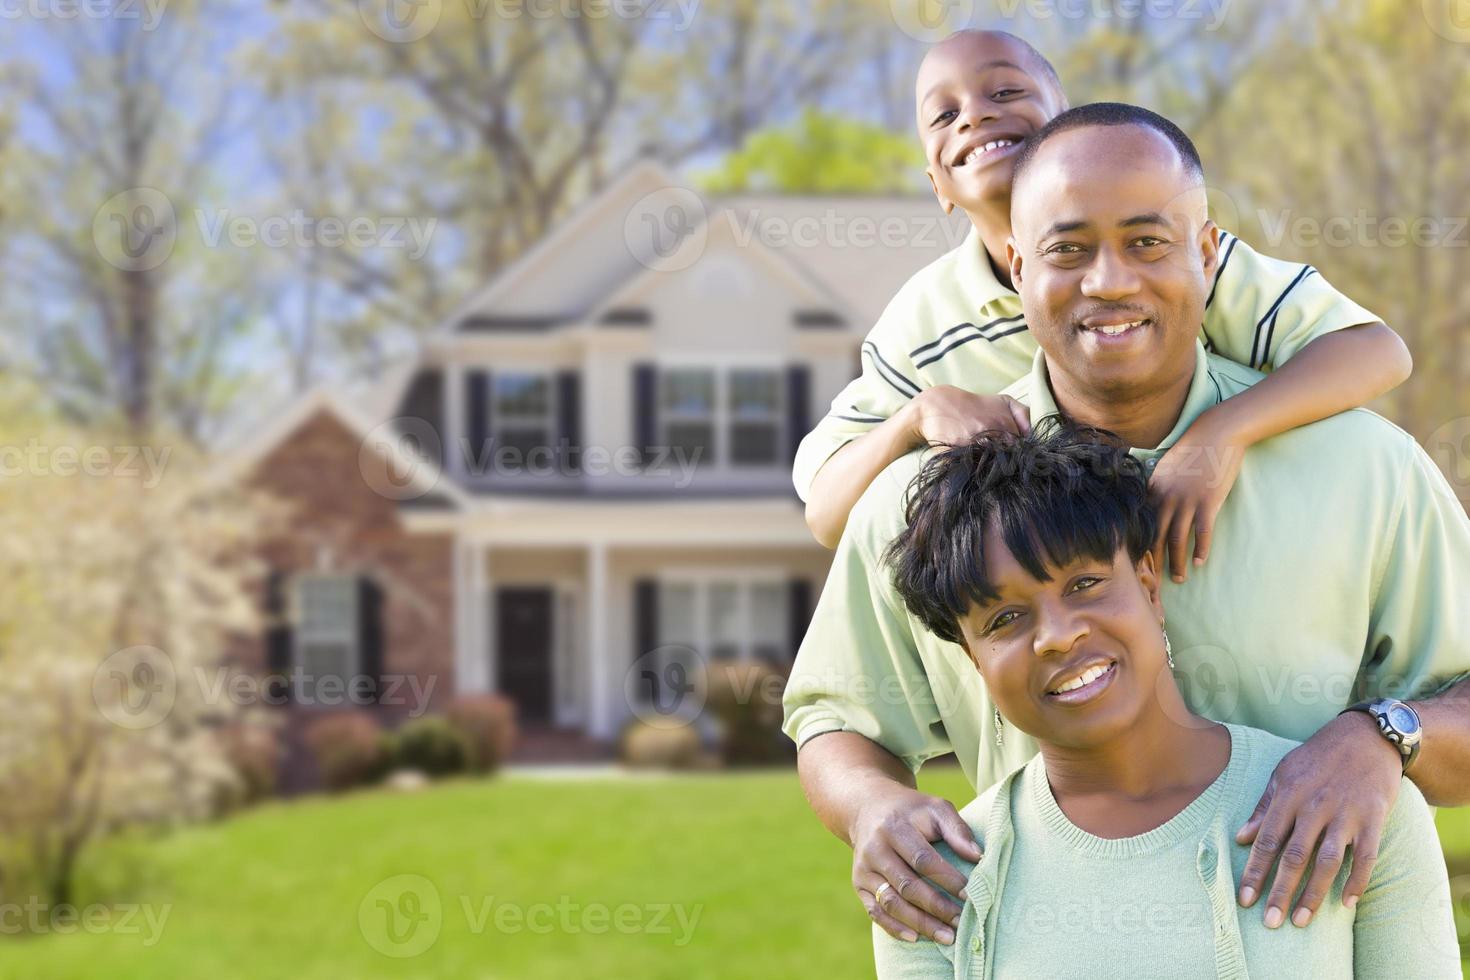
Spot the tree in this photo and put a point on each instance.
(822, 153)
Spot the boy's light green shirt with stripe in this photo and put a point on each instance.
(953, 323)
(1340, 570)
(1048, 899)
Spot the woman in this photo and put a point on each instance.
(1111, 853)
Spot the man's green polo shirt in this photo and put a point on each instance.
(954, 323)
(1340, 569)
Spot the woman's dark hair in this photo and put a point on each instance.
(1059, 494)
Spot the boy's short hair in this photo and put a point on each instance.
(1061, 493)
(1108, 114)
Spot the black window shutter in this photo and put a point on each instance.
(277, 635)
(370, 634)
(799, 609)
(569, 418)
(645, 617)
(645, 395)
(477, 422)
(798, 410)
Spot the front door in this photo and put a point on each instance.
(523, 617)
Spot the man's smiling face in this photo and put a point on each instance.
(1113, 253)
(979, 95)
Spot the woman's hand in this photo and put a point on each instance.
(1190, 484)
(948, 416)
(891, 837)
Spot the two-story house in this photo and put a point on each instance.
(588, 468)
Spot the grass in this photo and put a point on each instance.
(521, 869)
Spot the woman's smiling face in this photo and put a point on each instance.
(1072, 661)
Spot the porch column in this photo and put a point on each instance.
(471, 618)
(603, 693)
(484, 610)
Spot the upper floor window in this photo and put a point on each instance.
(731, 417)
(520, 413)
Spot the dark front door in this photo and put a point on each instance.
(523, 641)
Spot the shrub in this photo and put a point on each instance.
(645, 746)
(431, 745)
(253, 751)
(745, 699)
(347, 748)
(488, 724)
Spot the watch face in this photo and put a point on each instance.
(1403, 719)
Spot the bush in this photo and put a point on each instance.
(745, 699)
(645, 746)
(488, 724)
(348, 750)
(432, 745)
(253, 751)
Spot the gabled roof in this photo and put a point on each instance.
(424, 477)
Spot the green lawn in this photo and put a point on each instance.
(700, 876)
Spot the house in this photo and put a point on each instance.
(586, 475)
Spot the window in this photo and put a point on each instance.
(734, 618)
(730, 417)
(688, 407)
(327, 641)
(755, 418)
(520, 415)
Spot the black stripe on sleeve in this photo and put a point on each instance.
(1266, 354)
(1229, 251)
(940, 339)
(1259, 359)
(888, 372)
(965, 340)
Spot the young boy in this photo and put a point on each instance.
(954, 336)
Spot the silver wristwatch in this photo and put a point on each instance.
(1398, 722)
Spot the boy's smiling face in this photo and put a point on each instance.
(979, 95)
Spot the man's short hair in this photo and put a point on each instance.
(1059, 494)
(1108, 114)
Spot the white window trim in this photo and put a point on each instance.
(722, 420)
(301, 635)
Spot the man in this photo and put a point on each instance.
(1340, 569)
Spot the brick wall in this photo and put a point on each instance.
(338, 523)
